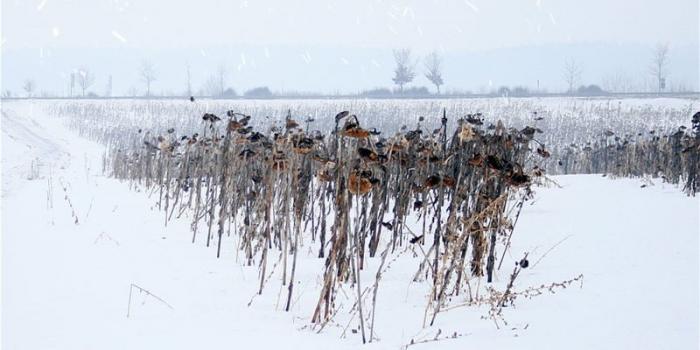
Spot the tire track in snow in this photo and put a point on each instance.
(29, 150)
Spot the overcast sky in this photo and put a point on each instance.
(450, 24)
(45, 32)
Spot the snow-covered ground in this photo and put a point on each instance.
(73, 242)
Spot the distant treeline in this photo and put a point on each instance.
(383, 93)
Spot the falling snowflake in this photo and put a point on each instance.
(472, 6)
(306, 57)
(118, 36)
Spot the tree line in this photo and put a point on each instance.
(406, 69)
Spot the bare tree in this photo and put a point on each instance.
(611, 82)
(572, 74)
(215, 85)
(659, 64)
(221, 79)
(211, 86)
(85, 79)
(72, 82)
(404, 71)
(433, 69)
(132, 92)
(148, 75)
(617, 81)
(189, 80)
(108, 88)
(29, 87)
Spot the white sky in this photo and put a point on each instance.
(420, 24)
(342, 45)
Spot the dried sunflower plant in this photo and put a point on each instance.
(673, 157)
(451, 195)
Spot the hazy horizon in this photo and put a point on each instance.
(343, 47)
